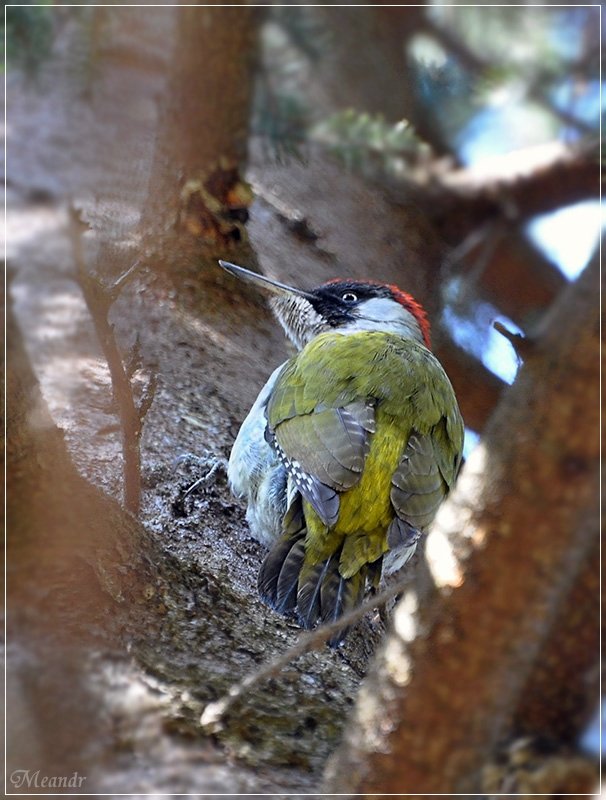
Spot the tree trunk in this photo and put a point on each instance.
(450, 679)
(198, 200)
(562, 691)
(74, 559)
(366, 52)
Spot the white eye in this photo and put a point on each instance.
(349, 297)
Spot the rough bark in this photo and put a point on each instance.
(445, 688)
(360, 233)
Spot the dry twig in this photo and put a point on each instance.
(214, 712)
(99, 300)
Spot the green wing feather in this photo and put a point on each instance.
(321, 418)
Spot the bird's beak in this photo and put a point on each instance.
(263, 283)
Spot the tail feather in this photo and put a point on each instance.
(288, 580)
(374, 572)
(308, 597)
(339, 595)
(271, 583)
(316, 592)
(271, 567)
(331, 592)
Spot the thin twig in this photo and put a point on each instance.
(113, 427)
(119, 284)
(521, 344)
(99, 299)
(470, 242)
(214, 712)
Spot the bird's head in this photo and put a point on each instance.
(343, 306)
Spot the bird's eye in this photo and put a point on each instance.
(349, 297)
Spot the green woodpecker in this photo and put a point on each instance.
(350, 447)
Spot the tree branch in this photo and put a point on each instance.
(521, 344)
(518, 279)
(563, 688)
(519, 186)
